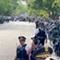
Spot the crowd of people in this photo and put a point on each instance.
(46, 29)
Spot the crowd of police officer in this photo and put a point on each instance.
(52, 28)
(46, 29)
(23, 51)
(15, 18)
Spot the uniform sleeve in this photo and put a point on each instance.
(46, 35)
(37, 31)
(27, 48)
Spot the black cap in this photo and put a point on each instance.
(43, 52)
(22, 38)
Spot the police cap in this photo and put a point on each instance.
(22, 38)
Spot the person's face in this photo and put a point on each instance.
(22, 42)
(40, 25)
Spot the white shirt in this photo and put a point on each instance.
(37, 30)
(27, 48)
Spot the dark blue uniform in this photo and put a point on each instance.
(21, 53)
(41, 36)
(33, 51)
(32, 58)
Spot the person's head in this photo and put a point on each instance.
(41, 24)
(22, 40)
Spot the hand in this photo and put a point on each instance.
(34, 46)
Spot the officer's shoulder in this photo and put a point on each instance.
(27, 45)
(18, 46)
(37, 29)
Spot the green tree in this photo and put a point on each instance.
(49, 8)
(37, 7)
(20, 8)
(6, 7)
(12, 7)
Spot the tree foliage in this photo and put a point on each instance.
(12, 7)
(5, 7)
(49, 8)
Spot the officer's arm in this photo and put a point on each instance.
(29, 51)
(37, 31)
(46, 36)
(33, 46)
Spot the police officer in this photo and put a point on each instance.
(33, 48)
(21, 51)
(41, 33)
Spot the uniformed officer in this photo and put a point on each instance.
(21, 51)
(41, 33)
(33, 48)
